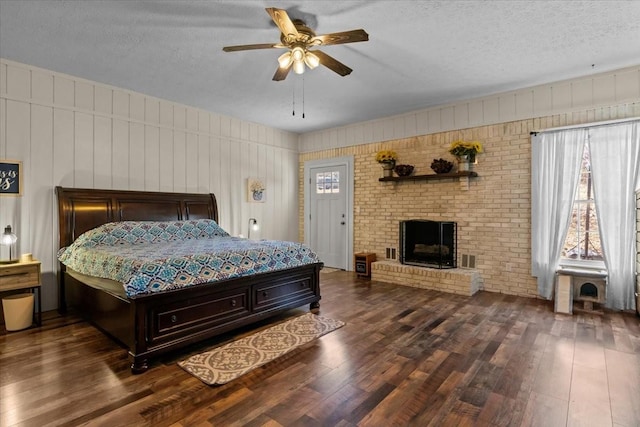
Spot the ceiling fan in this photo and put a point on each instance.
(299, 40)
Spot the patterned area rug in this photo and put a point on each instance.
(228, 362)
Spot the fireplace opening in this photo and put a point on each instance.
(428, 243)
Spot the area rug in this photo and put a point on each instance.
(327, 270)
(228, 362)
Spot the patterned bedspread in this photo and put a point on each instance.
(148, 256)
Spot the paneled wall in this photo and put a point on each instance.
(586, 99)
(77, 133)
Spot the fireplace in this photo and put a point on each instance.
(428, 243)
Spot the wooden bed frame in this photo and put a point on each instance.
(150, 325)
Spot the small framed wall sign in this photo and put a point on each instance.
(10, 178)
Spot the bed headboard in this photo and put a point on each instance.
(81, 209)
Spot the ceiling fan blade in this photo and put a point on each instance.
(282, 20)
(340, 38)
(332, 63)
(281, 73)
(253, 46)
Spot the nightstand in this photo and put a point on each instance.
(22, 276)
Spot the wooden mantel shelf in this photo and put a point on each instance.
(433, 176)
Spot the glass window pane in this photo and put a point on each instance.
(584, 185)
(585, 189)
(319, 185)
(571, 243)
(580, 249)
(593, 246)
(583, 237)
(328, 182)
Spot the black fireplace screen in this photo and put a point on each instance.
(428, 243)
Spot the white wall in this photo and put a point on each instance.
(597, 97)
(78, 133)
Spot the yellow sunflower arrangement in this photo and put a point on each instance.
(465, 148)
(386, 156)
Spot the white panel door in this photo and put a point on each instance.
(328, 214)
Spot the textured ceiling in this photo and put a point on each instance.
(419, 53)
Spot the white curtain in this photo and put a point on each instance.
(615, 169)
(555, 169)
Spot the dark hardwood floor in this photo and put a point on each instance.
(405, 357)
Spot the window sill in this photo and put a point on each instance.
(583, 268)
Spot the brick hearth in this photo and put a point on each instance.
(455, 280)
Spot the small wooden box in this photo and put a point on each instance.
(362, 263)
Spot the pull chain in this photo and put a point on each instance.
(293, 99)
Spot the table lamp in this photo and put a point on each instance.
(8, 239)
(253, 225)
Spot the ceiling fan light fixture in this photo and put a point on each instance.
(311, 60)
(297, 53)
(285, 60)
(298, 67)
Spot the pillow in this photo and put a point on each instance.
(135, 232)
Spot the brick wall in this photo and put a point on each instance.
(493, 213)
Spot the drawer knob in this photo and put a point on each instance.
(233, 303)
(174, 318)
(265, 294)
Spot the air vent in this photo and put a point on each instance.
(391, 253)
(468, 261)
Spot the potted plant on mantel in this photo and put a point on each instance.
(465, 152)
(387, 158)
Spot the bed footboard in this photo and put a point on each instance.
(152, 325)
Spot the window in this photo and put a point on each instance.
(328, 182)
(583, 237)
